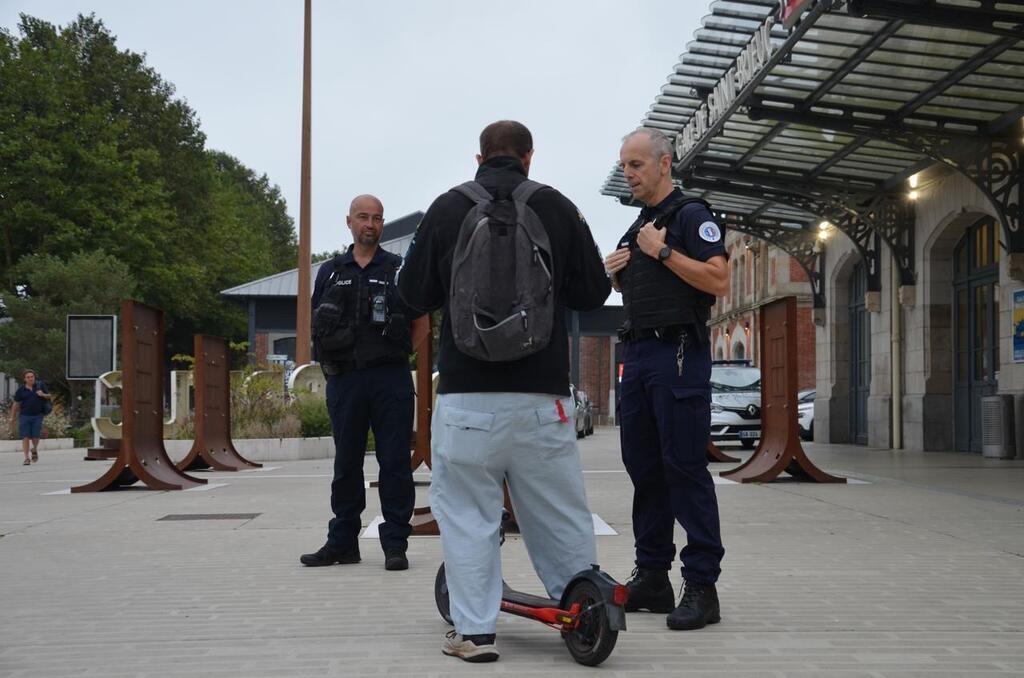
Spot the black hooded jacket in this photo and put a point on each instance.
(580, 284)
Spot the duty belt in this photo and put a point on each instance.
(667, 333)
(332, 368)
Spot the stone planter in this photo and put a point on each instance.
(45, 444)
(266, 449)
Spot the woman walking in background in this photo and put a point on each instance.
(31, 404)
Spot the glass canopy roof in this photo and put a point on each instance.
(889, 71)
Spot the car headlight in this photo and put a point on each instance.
(715, 407)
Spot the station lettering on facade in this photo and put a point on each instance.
(751, 60)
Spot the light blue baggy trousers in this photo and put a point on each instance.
(480, 440)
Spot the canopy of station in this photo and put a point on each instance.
(795, 117)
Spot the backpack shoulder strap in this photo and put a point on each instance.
(474, 192)
(524, 191)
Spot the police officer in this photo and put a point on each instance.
(361, 336)
(669, 266)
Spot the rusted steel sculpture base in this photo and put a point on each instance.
(141, 455)
(715, 455)
(780, 449)
(423, 522)
(213, 448)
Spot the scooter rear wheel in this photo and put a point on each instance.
(593, 639)
(441, 595)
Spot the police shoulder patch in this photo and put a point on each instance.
(709, 231)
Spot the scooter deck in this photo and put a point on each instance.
(521, 598)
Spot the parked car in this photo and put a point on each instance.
(579, 414)
(805, 413)
(735, 404)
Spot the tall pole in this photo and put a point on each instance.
(302, 301)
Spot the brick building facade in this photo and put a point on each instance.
(759, 273)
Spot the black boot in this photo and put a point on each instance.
(650, 590)
(395, 559)
(698, 606)
(328, 556)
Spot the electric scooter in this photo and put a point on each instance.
(590, 614)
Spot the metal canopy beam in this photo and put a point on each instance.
(984, 19)
(994, 164)
(858, 214)
(859, 231)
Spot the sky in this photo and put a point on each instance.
(401, 89)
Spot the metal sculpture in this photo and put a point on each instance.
(715, 454)
(423, 521)
(212, 448)
(142, 455)
(780, 449)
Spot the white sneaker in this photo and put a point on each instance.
(456, 645)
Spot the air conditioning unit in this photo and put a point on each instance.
(997, 439)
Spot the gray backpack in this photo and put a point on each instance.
(501, 301)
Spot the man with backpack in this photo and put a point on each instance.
(670, 265)
(361, 337)
(32, 402)
(504, 257)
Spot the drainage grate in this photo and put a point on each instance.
(209, 516)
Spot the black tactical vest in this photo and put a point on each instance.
(351, 327)
(652, 295)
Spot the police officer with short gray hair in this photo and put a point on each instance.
(669, 266)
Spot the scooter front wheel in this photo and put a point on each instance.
(441, 595)
(592, 639)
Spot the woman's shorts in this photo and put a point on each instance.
(30, 425)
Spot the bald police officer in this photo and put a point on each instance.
(670, 266)
(361, 337)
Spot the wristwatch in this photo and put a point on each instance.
(664, 253)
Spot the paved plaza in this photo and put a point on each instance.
(915, 570)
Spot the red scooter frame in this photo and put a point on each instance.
(590, 614)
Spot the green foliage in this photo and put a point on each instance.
(87, 282)
(82, 435)
(324, 256)
(311, 409)
(184, 360)
(239, 351)
(96, 153)
(260, 409)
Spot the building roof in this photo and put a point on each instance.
(286, 283)
(832, 119)
(826, 82)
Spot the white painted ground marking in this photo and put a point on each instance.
(66, 490)
(371, 531)
(208, 486)
(601, 528)
(264, 469)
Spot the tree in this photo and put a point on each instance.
(96, 153)
(34, 337)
